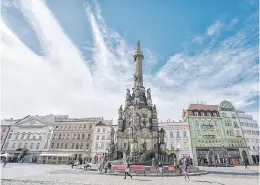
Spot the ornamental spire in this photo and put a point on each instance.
(138, 58)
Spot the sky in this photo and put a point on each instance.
(76, 57)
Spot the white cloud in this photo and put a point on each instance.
(62, 81)
(198, 40)
(214, 28)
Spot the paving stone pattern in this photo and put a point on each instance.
(36, 174)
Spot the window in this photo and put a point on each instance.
(22, 136)
(3, 130)
(97, 137)
(214, 114)
(196, 114)
(31, 145)
(103, 138)
(184, 134)
(17, 135)
(171, 134)
(61, 146)
(197, 123)
(28, 136)
(6, 144)
(83, 136)
(87, 146)
(90, 126)
(253, 148)
(223, 115)
(208, 114)
(78, 136)
(198, 132)
(40, 137)
(72, 146)
(13, 146)
(59, 136)
(77, 146)
(98, 130)
(104, 129)
(58, 146)
(25, 145)
(102, 145)
(81, 146)
(52, 145)
(178, 134)
(34, 136)
(89, 135)
(19, 145)
(37, 146)
(96, 146)
(202, 113)
(10, 135)
(66, 145)
(46, 145)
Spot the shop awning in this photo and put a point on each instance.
(56, 155)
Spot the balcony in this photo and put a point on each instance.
(207, 126)
(209, 136)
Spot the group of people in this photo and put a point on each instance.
(104, 165)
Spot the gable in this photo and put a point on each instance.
(30, 123)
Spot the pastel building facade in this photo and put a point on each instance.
(250, 129)
(177, 139)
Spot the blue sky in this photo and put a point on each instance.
(77, 55)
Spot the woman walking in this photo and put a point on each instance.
(127, 171)
(186, 172)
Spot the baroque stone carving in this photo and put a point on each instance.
(120, 112)
(154, 112)
(128, 95)
(148, 92)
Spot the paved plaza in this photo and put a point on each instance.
(37, 174)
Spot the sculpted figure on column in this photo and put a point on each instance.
(120, 112)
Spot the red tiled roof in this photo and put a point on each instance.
(202, 107)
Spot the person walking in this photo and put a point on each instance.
(186, 172)
(160, 167)
(127, 171)
(5, 161)
(246, 163)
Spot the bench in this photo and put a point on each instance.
(155, 169)
(137, 168)
(118, 167)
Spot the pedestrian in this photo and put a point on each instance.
(186, 172)
(5, 161)
(160, 167)
(127, 171)
(246, 163)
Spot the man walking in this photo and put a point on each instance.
(127, 170)
(5, 161)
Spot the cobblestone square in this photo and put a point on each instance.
(34, 174)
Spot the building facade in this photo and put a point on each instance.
(237, 150)
(250, 129)
(5, 127)
(71, 140)
(177, 139)
(213, 139)
(32, 133)
(101, 139)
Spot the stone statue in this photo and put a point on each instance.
(112, 135)
(144, 146)
(148, 94)
(137, 92)
(154, 112)
(128, 95)
(120, 112)
(161, 135)
(135, 78)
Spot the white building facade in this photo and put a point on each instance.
(33, 133)
(177, 139)
(250, 130)
(101, 139)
